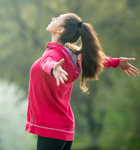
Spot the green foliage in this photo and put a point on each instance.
(120, 109)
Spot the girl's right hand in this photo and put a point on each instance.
(59, 74)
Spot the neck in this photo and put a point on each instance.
(55, 39)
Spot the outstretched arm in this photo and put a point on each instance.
(121, 62)
(51, 62)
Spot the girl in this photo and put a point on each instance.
(51, 78)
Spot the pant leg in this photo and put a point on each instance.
(68, 145)
(44, 143)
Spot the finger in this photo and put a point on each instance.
(57, 82)
(61, 79)
(130, 72)
(126, 73)
(64, 72)
(134, 71)
(64, 77)
(134, 68)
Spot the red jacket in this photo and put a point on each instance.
(49, 112)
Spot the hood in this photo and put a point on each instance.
(68, 65)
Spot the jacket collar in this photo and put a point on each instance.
(50, 44)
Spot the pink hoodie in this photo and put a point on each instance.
(49, 112)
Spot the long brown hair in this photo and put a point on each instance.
(90, 48)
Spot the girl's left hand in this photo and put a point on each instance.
(128, 68)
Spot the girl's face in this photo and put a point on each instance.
(55, 26)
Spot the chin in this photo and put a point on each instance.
(48, 28)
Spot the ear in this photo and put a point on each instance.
(60, 30)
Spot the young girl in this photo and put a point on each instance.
(51, 78)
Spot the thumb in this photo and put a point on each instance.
(60, 62)
(129, 59)
(126, 59)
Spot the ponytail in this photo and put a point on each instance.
(92, 55)
(90, 49)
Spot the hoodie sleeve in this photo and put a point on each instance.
(49, 59)
(111, 62)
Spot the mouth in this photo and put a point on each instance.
(49, 24)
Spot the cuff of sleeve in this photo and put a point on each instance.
(52, 72)
(116, 62)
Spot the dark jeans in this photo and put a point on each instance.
(44, 143)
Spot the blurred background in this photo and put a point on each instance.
(106, 119)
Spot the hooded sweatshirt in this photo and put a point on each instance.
(49, 112)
